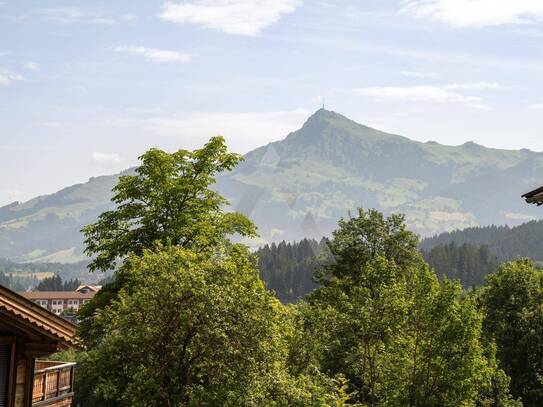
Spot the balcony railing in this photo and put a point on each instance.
(53, 381)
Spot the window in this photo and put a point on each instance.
(58, 302)
(42, 303)
(73, 303)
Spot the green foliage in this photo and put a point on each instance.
(190, 329)
(513, 304)
(188, 322)
(69, 355)
(169, 201)
(287, 268)
(362, 239)
(382, 319)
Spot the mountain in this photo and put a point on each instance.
(299, 187)
(46, 229)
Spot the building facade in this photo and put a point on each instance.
(59, 301)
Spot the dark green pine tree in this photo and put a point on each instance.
(468, 263)
(55, 283)
(288, 268)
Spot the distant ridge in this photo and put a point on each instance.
(298, 187)
(505, 242)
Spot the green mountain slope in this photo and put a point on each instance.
(46, 229)
(300, 186)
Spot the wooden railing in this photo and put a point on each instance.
(53, 381)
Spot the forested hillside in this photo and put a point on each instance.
(287, 268)
(505, 242)
(468, 263)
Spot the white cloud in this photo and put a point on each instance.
(476, 13)
(416, 74)
(448, 93)
(244, 131)
(7, 77)
(239, 17)
(153, 54)
(537, 106)
(106, 158)
(75, 15)
(32, 66)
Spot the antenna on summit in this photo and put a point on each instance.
(323, 100)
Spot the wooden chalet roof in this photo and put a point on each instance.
(535, 196)
(16, 308)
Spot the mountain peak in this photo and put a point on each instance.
(326, 123)
(322, 114)
(323, 118)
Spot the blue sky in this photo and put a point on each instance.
(87, 86)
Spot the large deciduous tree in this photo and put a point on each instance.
(168, 200)
(382, 319)
(186, 321)
(189, 329)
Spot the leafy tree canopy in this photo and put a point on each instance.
(370, 235)
(168, 200)
(383, 320)
(190, 329)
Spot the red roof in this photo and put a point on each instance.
(57, 295)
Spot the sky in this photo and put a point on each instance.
(87, 86)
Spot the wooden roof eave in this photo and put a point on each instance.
(38, 318)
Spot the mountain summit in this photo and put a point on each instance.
(300, 186)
